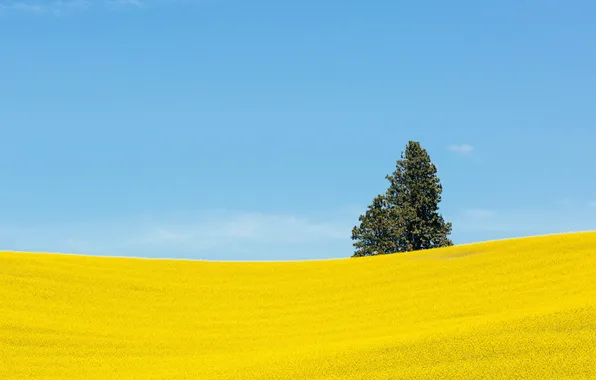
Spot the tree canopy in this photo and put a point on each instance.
(406, 217)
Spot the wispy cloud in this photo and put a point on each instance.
(463, 149)
(55, 6)
(242, 228)
(22, 6)
(66, 6)
(578, 203)
(482, 224)
(216, 236)
(565, 202)
(263, 236)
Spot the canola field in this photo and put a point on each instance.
(511, 309)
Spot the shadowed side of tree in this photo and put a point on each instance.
(405, 218)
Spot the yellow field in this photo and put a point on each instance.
(523, 308)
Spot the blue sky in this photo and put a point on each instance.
(236, 130)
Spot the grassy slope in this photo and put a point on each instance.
(506, 309)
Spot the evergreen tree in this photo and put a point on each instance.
(406, 217)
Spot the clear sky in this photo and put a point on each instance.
(242, 130)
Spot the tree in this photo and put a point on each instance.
(405, 218)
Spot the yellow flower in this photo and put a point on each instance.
(521, 308)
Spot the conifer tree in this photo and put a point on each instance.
(405, 218)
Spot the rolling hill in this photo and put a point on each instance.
(519, 308)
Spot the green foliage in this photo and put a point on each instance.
(406, 217)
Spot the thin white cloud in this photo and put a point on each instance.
(136, 3)
(565, 202)
(463, 149)
(242, 228)
(67, 6)
(482, 223)
(51, 6)
(22, 6)
(569, 202)
(262, 236)
(250, 236)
